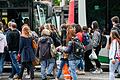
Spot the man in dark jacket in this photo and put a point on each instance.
(13, 46)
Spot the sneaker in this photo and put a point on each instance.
(10, 78)
(27, 76)
(117, 76)
(80, 72)
(97, 71)
(56, 78)
(15, 76)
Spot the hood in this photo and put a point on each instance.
(43, 39)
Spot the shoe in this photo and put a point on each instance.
(93, 69)
(80, 72)
(15, 76)
(117, 76)
(97, 71)
(56, 78)
(10, 78)
(27, 76)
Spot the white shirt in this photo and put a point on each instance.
(3, 42)
(113, 49)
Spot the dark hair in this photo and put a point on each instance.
(85, 28)
(95, 25)
(1, 25)
(78, 28)
(115, 19)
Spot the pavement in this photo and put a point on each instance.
(87, 76)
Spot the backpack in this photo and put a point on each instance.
(44, 48)
(78, 48)
(86, 39)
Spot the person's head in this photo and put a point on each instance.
(9, 24)
(45, 32)
(115, 20)
(26, 30)
(1, 25)
(114, 35)
(77, 28)
(70, 34)
(13, 25)
(95, 25)
(85, 28)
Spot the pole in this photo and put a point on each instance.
(82, 12)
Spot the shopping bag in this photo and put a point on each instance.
(93, 55)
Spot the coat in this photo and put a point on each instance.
(26, 50)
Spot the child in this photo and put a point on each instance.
(113, 52)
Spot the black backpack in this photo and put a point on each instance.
(44, 49)
(78, 49)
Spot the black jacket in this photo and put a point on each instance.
(13, 37)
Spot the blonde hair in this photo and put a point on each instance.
(26, 30)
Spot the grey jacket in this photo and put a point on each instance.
(96, 38)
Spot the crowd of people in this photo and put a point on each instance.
(65, 41)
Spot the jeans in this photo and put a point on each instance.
(112, 68)
(72, 69)
(49, 64)
(2, 58)
(61, 67)
(81, 64)
(15, 64)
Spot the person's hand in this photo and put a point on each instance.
(113, 61)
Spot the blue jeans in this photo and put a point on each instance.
(2, 58)
(61, 66)
(72, 69)
(81, 64)
(49, 64)
(112, 68)
(15, 64)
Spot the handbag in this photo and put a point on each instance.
(53, 50)
(93, 55)
(18, 57)
(34, 44)
(35, 61)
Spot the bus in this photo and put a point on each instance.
(38, 12)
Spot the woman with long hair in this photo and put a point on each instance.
(26, 51)
(114, 54)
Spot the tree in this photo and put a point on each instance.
(56, 2)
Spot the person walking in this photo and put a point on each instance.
(3, 45)
(87, 41)
(116, 26)
(26, 51)
(113, 52)
(96, 38)
(45, 55)
(13, 37)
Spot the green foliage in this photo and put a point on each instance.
(56, 2)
